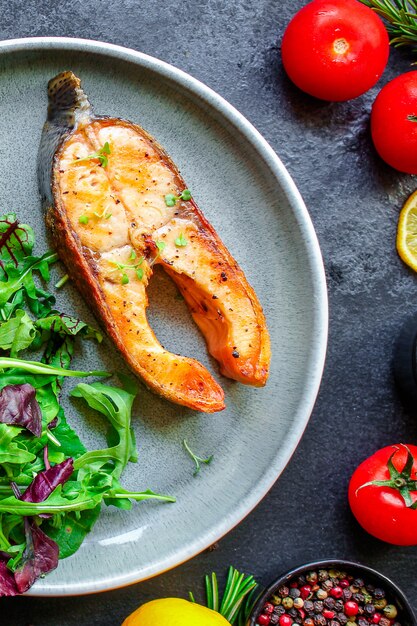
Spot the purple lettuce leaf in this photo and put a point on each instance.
(40, 556)
(8, 585)
(45, 482)
(18, 406)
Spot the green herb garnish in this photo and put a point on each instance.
(197, 460)
(171, 199)
(125, 267)
(101, 155)
(83, 219)
(238, 599)
(181, 241)
(161, 245)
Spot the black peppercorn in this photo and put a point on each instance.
(309, 606)
(283, 591)
(347, 594)
(327, 585)
(342, 618)
(279, 610)
(370, 589)
(301, 581)
(379, 593)
(294, 592)
(334, 622)
(362, 621)
(274, 619)
(338, 606)
(358, 582)
(318, 606)
(320, 620)
(293, 613)
(358, 597)
(369, 610)
(329, 603)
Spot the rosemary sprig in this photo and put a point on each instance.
(239, 596)
(401, 16)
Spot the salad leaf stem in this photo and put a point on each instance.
(35, 367)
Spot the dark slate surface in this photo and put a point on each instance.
(354, 200)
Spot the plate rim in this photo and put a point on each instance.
(318, 346)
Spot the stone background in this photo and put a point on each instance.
(354, 199)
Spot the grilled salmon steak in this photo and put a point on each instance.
(117, 205)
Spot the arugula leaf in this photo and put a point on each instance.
(22, 277)
(70, 443)
(116, 405)
(72, 530)
(10, 450)
(17, 333)
(66, 325)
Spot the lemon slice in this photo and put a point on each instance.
(407, 232)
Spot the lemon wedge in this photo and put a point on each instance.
(407, 232)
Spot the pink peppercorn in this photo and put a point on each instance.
(285, 620)
(344, 583)
(376, 618)
(305, 591)
(268, 608)
(336, 592)
(351, 608)
(328, 614)
(294, 585)
(264, 620)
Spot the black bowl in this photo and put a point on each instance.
(406, 615)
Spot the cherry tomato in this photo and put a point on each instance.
(335, 49)
(382, 510)
(394, 123)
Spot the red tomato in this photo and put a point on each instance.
(394, 123)
(381, 510)
(335, 49)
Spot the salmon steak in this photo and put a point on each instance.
(117, 206)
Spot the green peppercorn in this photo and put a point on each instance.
(312, 577)
(321, 594)
(287, 603)
(390, 611)
(275, 600)
(380, 604)
(333, 573)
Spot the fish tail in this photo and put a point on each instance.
(67, 101)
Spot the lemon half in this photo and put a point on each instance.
(407, 232)
(174, 612)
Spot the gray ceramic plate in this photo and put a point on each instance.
(247, 194)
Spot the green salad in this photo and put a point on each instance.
(51, 488)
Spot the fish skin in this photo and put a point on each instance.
(206, 274)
